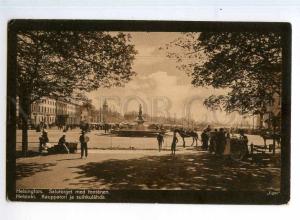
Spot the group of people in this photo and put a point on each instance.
(215, 141)
(62, 145)
(219, 141)
(43, 126)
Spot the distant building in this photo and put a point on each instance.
(67, 113)
(84, 114)
(89, 114)
(61, 113)
(95, 116)
(52, 111)
(108, 115)
(44, 111)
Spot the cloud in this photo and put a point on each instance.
(159, 84)
(163, 94)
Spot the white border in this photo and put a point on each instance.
(266, 10)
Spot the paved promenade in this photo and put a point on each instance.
(141, 169)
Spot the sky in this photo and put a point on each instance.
(159, 86)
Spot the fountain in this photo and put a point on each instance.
(138, 130)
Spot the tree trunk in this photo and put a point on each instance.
(261, 118)
(24, 137)
(24, 113)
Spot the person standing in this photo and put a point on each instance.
(243, 137)
(227, 146)
(244, 140)
(160, 140)
(221, 141)
(204, 138)
(174, 142)
(212, 141)
(43, 140)
(84, 139)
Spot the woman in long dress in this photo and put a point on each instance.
(227, 146)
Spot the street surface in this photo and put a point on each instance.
(145, 169)
(135, 163)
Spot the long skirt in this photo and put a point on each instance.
(227, 147)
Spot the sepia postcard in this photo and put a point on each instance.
(148, 111)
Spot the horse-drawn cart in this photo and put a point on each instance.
(238, 148)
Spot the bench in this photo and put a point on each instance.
(262, 153)
(262, 148)
(56, 149)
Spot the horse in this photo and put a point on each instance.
(187, 134)
(271, 136)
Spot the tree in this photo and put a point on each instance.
(88, 105)
(61, 64)
(247, 65)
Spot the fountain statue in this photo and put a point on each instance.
(138, 130)
(140, 119)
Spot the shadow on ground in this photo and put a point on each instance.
(185, 171)
(30, 153)
(29, 169)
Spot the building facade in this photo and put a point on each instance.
(44, 111)
(89, 114)
(52, 112)
(108, 115)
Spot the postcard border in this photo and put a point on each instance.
(158, 196)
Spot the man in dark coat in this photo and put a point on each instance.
(83, 142)
(160, 140)
(204, 138)
(220, 141)
(174, 142)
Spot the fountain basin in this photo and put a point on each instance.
(136, 133)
